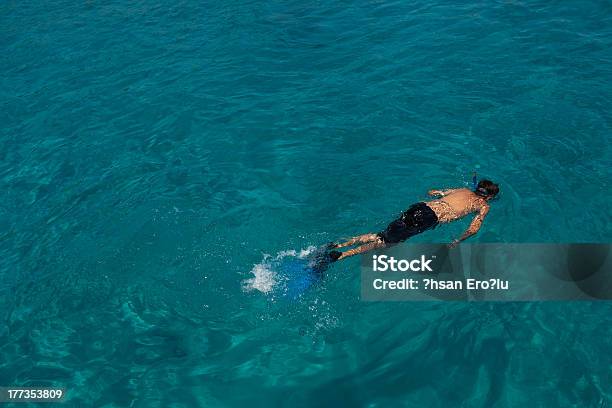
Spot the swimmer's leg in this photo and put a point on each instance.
(378, 243)
(361, 239)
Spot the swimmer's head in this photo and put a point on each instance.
(486, 189)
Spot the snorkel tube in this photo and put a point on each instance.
(482, 192)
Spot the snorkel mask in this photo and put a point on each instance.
(481, 192)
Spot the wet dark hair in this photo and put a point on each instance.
(486, 188)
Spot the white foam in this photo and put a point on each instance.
(303, 253)
(265, 279)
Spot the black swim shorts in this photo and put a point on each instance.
(416, 219)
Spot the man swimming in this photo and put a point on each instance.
(452, 205)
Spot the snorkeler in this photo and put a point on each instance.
(452, 205)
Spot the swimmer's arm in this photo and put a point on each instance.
(474, 225)
(441, 193)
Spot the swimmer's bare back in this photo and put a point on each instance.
(457, 203)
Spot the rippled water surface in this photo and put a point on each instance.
(158, 157)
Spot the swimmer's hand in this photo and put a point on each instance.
(454, 243)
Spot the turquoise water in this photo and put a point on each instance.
(159, 157)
